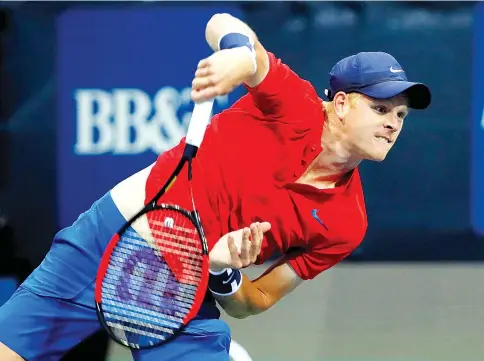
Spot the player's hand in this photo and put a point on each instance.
(221, 72)
(238, 249)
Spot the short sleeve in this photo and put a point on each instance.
(283, 95)
(311, 262)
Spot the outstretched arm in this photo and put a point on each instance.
(259, 295)
(236, 293)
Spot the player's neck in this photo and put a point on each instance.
(333, 163)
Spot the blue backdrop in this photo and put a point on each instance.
(123, 93)
(478, 124)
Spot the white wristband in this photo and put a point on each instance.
(253, 56)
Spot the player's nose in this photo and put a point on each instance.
(393, 123)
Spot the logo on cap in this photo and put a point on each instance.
(396, 70)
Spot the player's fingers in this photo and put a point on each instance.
(245, 248)
(199, 95)
(203, 63)
(265, 226)
(234, 253)
(203, 82)
(256, 239)
(201, 72)
(261, 237)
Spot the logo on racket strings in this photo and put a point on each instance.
(147, 282)
(169, 222)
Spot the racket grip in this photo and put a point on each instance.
(198, 122)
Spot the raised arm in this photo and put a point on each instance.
(223, 24)
(239, 58)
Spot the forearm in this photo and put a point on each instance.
(259, 295)
(222, 24)
(247, 301)
(235, 292)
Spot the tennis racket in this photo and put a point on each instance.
(154, 274)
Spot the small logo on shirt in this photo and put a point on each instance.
(316, 217)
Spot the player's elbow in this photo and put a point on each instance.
(250, 307)
(238, 315)
(215, 28)
(244, 313)
(216, 21)
(223, 23)
(219, 19)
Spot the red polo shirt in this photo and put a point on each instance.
(246, 169)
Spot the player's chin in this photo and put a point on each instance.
(377, 155)
(377, 150)
(379, 158)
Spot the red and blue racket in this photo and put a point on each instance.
(153, 275)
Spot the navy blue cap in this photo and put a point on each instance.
(377, 75)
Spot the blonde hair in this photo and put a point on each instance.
(352, 97)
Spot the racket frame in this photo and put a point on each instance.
(193, 217)
(200, 119)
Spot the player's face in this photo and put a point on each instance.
(373, 126)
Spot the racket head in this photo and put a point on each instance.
(153, 277)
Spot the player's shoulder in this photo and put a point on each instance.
(239, 115)
(283, 72)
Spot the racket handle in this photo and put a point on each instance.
(198, 122)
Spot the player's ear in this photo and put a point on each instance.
(341, 104)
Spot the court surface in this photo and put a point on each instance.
(371, 312)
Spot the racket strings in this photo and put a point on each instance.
(161, 249)
(179, 241)
(151, 281)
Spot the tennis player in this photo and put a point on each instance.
(281, 160)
